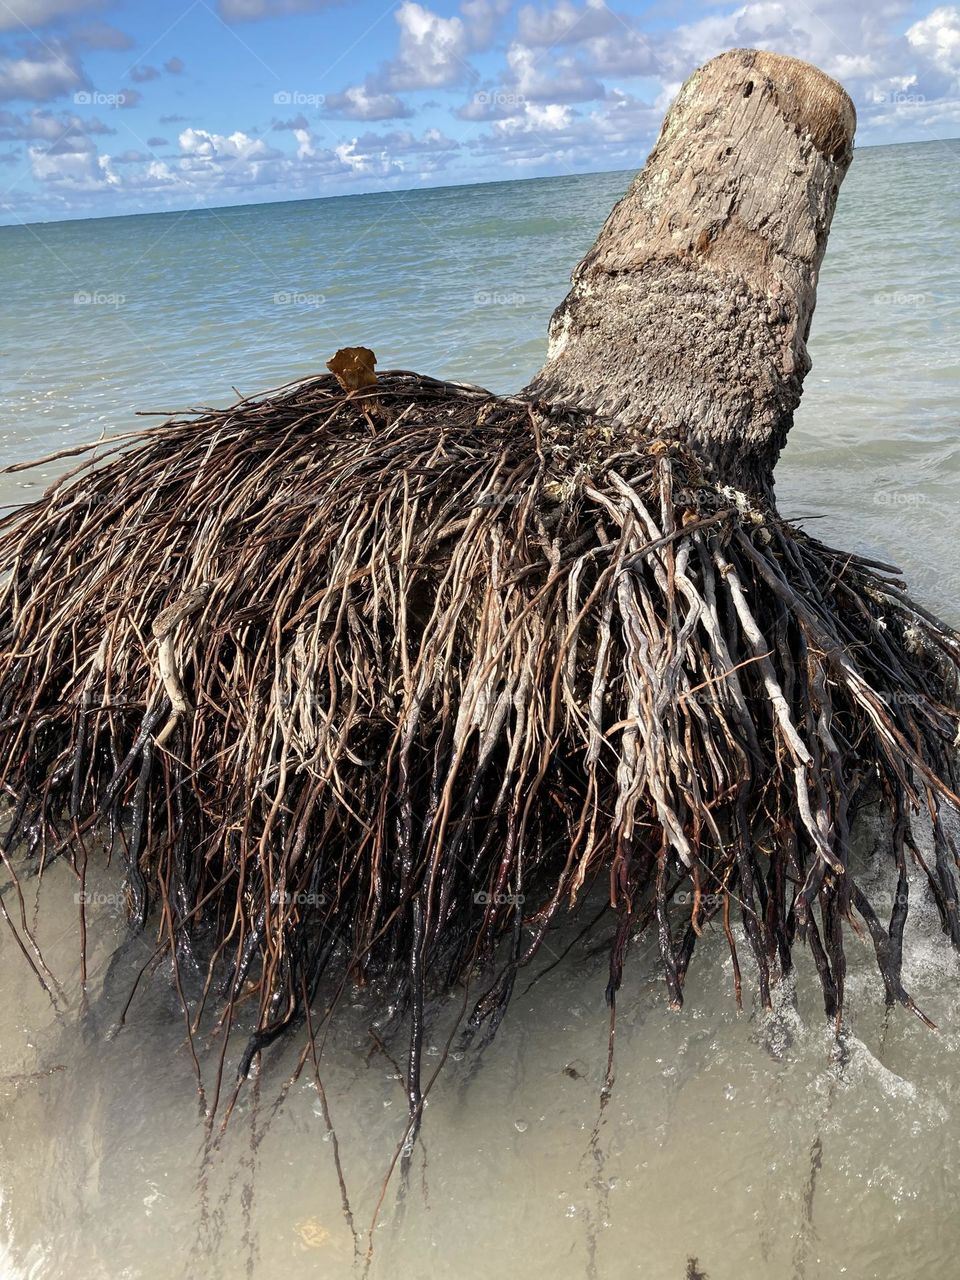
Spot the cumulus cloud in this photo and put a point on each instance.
(404, 142)
(566, 23)
(432, 52)
(41, 73)
(622, 53)
(46, 126)
(208, 166)
(379, 155)
(567, 85)
(851, 40)
(359, 102)
(15, 15)
(556, 137)
(563, 80)
(297, 122)
(203, 145)
(68, 160)
(937, 39)
(482, 20)
(131, 156)
(910, 81)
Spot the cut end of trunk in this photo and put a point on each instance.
(806, 97)
(690, 314)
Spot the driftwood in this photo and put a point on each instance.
(690, 314)
(367, 683)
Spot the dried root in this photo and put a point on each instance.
(370, 697)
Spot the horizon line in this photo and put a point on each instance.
(399, 191)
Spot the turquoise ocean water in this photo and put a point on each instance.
(101, 318)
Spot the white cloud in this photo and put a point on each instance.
(404, 142)
(383, 155)
(482, 19)
(432, 52)
(556, 96)
(296, 122)
(365, 163)
(900, 84)
(529, 76)
(40, 74)
(15, 15)
(72, 164)
(623, 53)
(937, 38)
(217, 146)
(44, 126)
(566, 23)
(305, 147)
(359, 102)
(852, 39)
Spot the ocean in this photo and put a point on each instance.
(102, 318)
(740, 1141)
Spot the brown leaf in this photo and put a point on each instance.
(353, 368)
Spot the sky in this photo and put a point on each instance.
(129, 107)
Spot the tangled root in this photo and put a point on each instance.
(369, 687)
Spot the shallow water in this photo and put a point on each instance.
(742, 1140)
(739, 1140)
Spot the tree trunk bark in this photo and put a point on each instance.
(689, 316)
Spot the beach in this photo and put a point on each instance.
(744, 1145)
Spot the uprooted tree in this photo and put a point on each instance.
(366, 682)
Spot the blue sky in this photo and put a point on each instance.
(111, 108)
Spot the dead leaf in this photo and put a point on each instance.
(353, 368)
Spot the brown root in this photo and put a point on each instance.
(374, 708)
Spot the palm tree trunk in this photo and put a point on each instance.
(690, 314)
